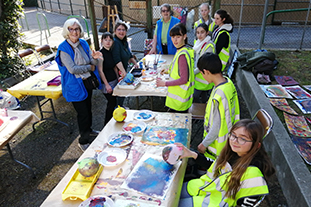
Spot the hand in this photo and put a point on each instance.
(136, 65)
(108, 88)
(122, 74)
(201, 148)
(153, 51)
(96, 54)
(160, 82)
(186, 151)
(164, 71)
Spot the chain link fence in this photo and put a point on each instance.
(288, 27)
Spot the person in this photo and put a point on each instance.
(222, 109)
(121, 52)
(221, 36)
(181, 83)
(77, 64)
(108, 73)
(237, 177)
(162, 42)
(205, 18)
(202, 45)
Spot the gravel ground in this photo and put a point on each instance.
(51, 150)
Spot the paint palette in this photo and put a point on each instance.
(120, 139)
(144, 115)
(111, 157)
(134, 127)
(97, 200)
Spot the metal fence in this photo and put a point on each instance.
(284, 30)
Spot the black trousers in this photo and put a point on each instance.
(84, 117)
(111, 105)
(164, 49)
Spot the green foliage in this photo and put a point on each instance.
(10, 11)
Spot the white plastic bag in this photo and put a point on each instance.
(190, 19)
(8, 101)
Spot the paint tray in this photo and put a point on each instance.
(80, 187)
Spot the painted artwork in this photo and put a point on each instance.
(131, 203)
(297, 125)
(151, 176)
(160, 135)
(308, 87)
(298, 92)
(303, 147)
(282, 104)
(304, 105)
(285, 80)
(275, 91)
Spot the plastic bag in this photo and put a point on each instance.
(8, 101)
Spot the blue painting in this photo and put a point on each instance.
(151, 176)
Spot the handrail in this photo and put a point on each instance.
(273, 12)
(47, 26)
(86, 24)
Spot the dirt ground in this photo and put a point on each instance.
(51, 150)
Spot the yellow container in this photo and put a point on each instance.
(80, 187)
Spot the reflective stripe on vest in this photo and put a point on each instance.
(180, 97)
(226, 96)
(224, 53)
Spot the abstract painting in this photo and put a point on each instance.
(275, 91)
(151, 176)
(308, 87)
(298, 92)
(297, 125)
(303, 147)
(304, 105)
(131, 203)
(282, 104)
(159, 135)
(285, 80)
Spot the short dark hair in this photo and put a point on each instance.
(107, 34)
(203, 25)
(211, 62)
(178, 29)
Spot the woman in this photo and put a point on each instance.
(221, 36)
(205, 18)
(237, 177)
(201, 46)
(162, 42)
(76, 63)
(108, 73)
(181, 83)
(122, 55)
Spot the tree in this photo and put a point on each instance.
(10, 37)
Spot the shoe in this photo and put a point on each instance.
(83, 147)
(94, 133)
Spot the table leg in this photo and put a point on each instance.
(42, 118)
(19, 162)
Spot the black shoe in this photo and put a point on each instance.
(94, 133)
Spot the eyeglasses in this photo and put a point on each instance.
(240, 140)
(121, 30)
(74, 29)
(165, 11)
(108, 40)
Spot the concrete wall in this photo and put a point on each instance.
(293, 175)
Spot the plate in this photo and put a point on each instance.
(120, 139)
(97, 201)
(144, 115)
(111, 157)
(146, 78)
(134, 127)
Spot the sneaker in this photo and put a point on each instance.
(83, 147)
(94, 133)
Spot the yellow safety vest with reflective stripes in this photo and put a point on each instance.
(224, 53)
(228, 105)
(200, 83)
(180, 97)
(209, 191)
(211, 27)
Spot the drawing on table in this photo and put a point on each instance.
(151, 176)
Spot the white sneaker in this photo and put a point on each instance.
(83, 147)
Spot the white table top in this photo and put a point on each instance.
(111, 178)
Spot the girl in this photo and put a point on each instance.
(181, 83)
(237, 177)
(202, 45)
(205, 18)
(108, 73)
(221, 36)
